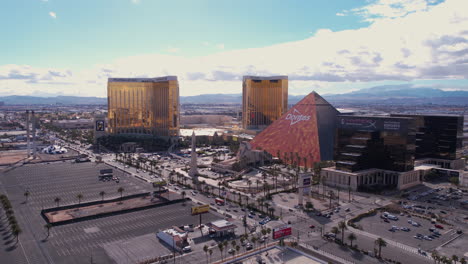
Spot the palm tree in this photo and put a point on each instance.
(205, 248)
(342, 226)
(26, 195)
(257, 182)
(121, 190)
(271, 210)
(435, 256)
(233, 243)
(455, 258)
(380, 243)
(221, 247)
(183, 193)
(237, 249)
(211, 253)
(351, 238)
(79, 196)
(102, 193)
(16, 232)
(48, 226)
(254, 240)
(462, 261)
(330, 194)
(335, 230)
(57, 201)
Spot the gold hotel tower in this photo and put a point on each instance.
(144, 106)
(264, 100)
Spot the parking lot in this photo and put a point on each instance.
(377, 225)
(88, 240)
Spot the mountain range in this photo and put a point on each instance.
(387, 94)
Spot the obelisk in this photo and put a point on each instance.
(193, 162)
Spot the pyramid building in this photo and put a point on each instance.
(304, 135)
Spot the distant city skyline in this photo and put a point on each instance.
(72, 48)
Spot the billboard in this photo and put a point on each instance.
(196, 210)
(100, 125)
(373, 123)
(281, 232)
(306, 182)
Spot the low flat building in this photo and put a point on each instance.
(74, 124)
(221, 228)
(367, 179)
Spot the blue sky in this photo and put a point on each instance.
(71, 47)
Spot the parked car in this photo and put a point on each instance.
(439, 226)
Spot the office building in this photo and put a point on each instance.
(304, 135)
(439, 140)
(143, 106)
(364, 142)
(373, 153)
(264, 100)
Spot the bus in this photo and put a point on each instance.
(219, 201)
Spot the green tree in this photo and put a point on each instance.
(57, 201)
(26, 195)
(48, 226)
(380, 243)
(463, 261)
(79, 197)
(16, 232)
(205, 248)
(342, 226)
(121, 190)
(335, 230)
(351, 238)
(455, 258)
(183, 193)
(102, 193)
(211, 253)
(221, 247)
(435, 256)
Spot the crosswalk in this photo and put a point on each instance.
(391, 242)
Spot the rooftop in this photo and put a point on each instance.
(156, 79)
(279, 77)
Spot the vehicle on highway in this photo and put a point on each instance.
(220, 201)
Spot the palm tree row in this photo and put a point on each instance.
(446, 260)
(80, 196)
(10, 215)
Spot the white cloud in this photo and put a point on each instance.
(340, 14)
(52, 14)
(429, 44)
(220, 46)
(390, 9)
(135, 1)
(172, 49)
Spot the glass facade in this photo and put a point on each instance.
(438, 136)
(365, 142)
(264, 100)
(146, 106)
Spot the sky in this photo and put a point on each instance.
(62, 47)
